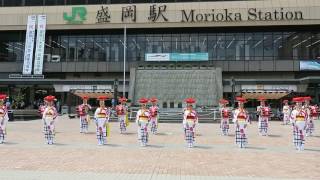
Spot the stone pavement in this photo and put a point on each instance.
(25, 156)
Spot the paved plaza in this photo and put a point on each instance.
(77, 156)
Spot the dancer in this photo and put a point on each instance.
(225, 116)
(264, 113)
(298, 120)
(142, 119)
(312, 115)
(83, 110)
(122, 111)
(154, 109)
(49, 117)
(286, 110)
(241, 119)
(190, 119)
(101, 116)
(3, 118)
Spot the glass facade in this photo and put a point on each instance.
(83, 2)
(219, 46)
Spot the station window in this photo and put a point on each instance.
(12, 2)
(34, 2)
(54, 2)
(171, 104)
(76, 2)
(164, 105)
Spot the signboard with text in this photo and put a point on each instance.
(176, 57)
(41, 35)
(170, 13)
(310, 65)
(29, 45)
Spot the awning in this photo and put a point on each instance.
(268, 94)
(93, 93)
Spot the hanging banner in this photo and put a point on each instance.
(29, 44)
(41, 35)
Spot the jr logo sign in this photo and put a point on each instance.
(77, 16)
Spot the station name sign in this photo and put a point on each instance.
(163, 13)
(253, 14)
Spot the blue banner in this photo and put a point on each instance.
(176, 57)
(189, 57)
(310, 65)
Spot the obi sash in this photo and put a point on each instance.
(225, 113)
(144, 118)
(120, 110)
(49, 113)
(191, 120)
(101, 115)
(49, 116)
(154, 113)
(300, 118)
(265, 112)
(241, 118)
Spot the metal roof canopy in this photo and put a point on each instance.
(305, 80)
(93, 93)
(268, 94)
(57, 81)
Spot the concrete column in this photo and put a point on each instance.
(316, 93)
(131, 93)
(69, 102)
(32, 94)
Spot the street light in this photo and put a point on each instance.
(115, 91)
(124, 60)
(232, 84)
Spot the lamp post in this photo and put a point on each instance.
(115, 91)
(124, 60)
(232, 84)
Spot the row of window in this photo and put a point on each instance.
(84, 2)
(219, 46)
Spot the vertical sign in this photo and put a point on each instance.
(29, 43)
(41, 35)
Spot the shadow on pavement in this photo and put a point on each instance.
(274, 135)
(89, 133)
(313, 150)
(129, 133)
(202, 147)
(155, 146)
(162, 134)
(112, 145)
(9, 143)
(255, 148)
(59, 144)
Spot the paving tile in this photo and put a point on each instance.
(77, 156)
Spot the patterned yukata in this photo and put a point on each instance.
(190, 119)
(154, 118)
(312, 116)
(286, 114)
(298, 119)
(143, 119)
(49, 115)
(121, 111)
(241, 119)
(3, 122)
(224, 124)
(101, 116)
(83, 110)
(264, 115)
